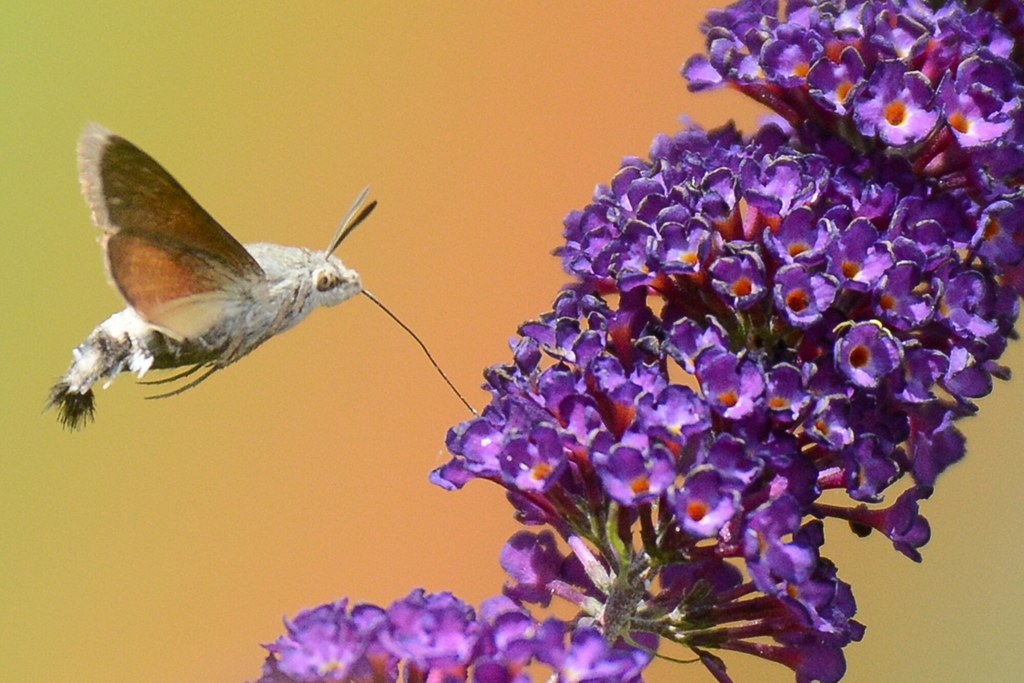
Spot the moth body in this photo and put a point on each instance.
(297, 281)
(197, 299)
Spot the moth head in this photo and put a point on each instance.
(334, 283)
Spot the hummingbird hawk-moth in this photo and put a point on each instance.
(198, 300)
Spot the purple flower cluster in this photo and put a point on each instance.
(437, 637)
(939, 89)
(760, 321)
(764, 332)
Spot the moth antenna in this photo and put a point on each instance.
(188, 386)
(423, 346)
(353, 217)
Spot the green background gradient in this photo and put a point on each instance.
(165, 542)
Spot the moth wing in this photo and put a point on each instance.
(181, 290)
(167, 256)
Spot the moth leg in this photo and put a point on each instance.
(230, 355)
(172, 378)
(188, 386)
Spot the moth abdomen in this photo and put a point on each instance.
(121, 342)
(74, 408)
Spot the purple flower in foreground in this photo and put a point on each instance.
(331, 643)
(897, 105)
(431, 632)
(754, 322)
(589, 657)
(437, 637)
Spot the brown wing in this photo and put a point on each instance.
(174, 287)
(165, 253)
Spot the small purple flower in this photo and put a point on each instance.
(829, 422)
(730, 457)
(481, 445)
(812, 662)
(902, 522)
(922, 369)
(688, 340)
(980, 101)
(327, 643)
(1000, 233)
(534, 463)
(802, 297)
(858, 259)
(867, 354)
(676, 413)
(683, 249)
(701, 74)
(780, 184)
(634, 475)
(801, 238)
(833, 84)
(733, 386)
(774, 555)
(532, 561)
(897, 105)
(789, 58)
(936, 444)
(785, 394)
(706, 503)
(902, 299)
(739, 279)
(966, 378)
(432, 632)
(871, 467)
(967, 305)
(633, 264)
(510, 640)
(590, 659)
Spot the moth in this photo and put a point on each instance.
(197, 299)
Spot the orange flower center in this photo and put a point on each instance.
(541, 471)
(859, 356)
(896, 113)
(696, 510)
(843, 91)
(797, 300)
(798, 248)
(959, 123)
(640, 485)
(728, 398)
(993, 228)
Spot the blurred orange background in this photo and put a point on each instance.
(166, 541)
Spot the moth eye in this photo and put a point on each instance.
(324, 282)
